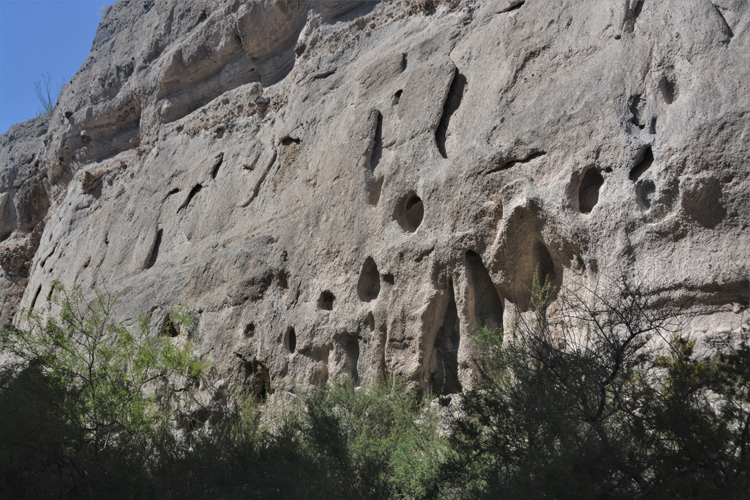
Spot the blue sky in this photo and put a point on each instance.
(41, 36)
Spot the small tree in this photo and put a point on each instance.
(109, 392)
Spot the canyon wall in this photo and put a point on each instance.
(352, 186)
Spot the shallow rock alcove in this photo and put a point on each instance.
(410, 212)
(588, 193)
(368, 287)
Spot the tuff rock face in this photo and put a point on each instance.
(350, 186)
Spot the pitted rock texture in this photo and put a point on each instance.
(346, 187)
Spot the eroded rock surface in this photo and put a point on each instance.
(351, 187)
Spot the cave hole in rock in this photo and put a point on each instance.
(451, 105)
(282, 280)
(193, 193)
(652, 126)
(397, 97)
(588, 193)
(217, 165)
(350, 345)
(288, 141)
(410, 212)
(195, 420)
(368, 287)
(444, 364)
(668, 89)
(377, 148)
(290, 340)
(644, 188)
(259, 380)
(517, 6)
(44, 260)
(544, 266)
(631, 17)
(638, 8)
(262, 385)
(644, 162)
(249, 331)
(154, 254)
(484, 301)
(36, 296)
(171, 328)
(326, 301)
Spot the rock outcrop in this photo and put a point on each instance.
(351, 186)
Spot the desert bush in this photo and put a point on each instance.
(598, 395)
(47, 98)
(601, 397)
(376, 443)
(86, 395)
(338, 442)
(89, 409)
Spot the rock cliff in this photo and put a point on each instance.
(351, 186)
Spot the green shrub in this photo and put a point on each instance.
(377, 443)
(336, 442)
(86, 394)
(600, 397)
(90, 410)
(594, 396)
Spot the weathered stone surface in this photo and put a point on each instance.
(349, 187)
(24, 203)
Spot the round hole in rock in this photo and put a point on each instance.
(326, 300)
(368, 287)
(668, 89)
(249, 330)
(588, 193)
(410, 212)
(170, 328)
(291, 340)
